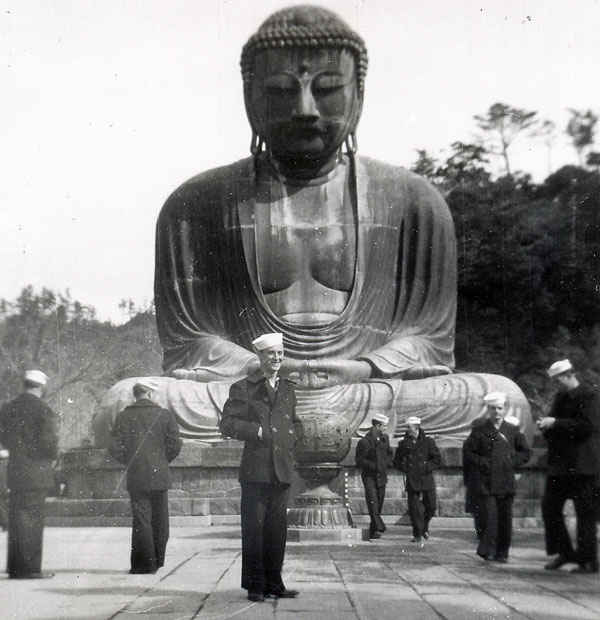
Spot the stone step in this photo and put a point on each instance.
(218, 506)
(361, 521)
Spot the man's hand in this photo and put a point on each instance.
(260, 433)
(546, 423)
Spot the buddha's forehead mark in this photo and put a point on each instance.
(304, 57)
(305, 61)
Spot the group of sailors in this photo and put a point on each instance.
(145, 439)
(492, 453)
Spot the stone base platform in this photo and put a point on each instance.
(346, 535)
(205, 489)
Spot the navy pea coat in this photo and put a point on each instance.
(253, 404)
(574, 439)
(28, 430)
(145, 437)
(492, 456)
(373, 456)
(417, 459)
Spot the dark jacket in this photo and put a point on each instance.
(417, 458)
(28, 430)
(145, 438)
(373, 456)
(470, 477)
(574, 439)
(493, 455)
(252, 404)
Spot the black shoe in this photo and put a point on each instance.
(142, 571)
(285, 593)
(426, 535)
(375, 535)
(485, 556)
(256, 597)
(40, 575)
(557, 562)
(586, 568)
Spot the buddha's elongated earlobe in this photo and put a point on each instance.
(351, 143)
(256, 144)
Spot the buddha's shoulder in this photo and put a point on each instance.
(397, 181)
(211, 186)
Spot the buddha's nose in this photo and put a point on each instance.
(306, 107)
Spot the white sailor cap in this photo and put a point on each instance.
(267, 341)
(559, 367)
(146, 384)
(413, 419)
(495, 399)
(36, 376)
(380, 417)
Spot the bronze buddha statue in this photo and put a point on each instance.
(352, 259)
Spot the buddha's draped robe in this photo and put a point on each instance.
(209, 303)
(400, 311)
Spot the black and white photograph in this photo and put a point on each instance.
(299, 309)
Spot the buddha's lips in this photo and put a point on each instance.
(304, 133)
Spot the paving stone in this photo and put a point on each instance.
(388, 578)
(475, 605)
(379, 601)
(543, 605)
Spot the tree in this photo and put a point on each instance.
(546, 130)
(503, 124)
(593, 160)
(426, 165)
(464, 167)
(580, 129)
(83, 356)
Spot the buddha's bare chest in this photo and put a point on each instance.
(309, 237)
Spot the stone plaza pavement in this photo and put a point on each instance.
(387, 578)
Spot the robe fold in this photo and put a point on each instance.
(400, 312)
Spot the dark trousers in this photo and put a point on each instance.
(374, 496)
(496, 535)
(150, 530)
(475, 504)
(478, 511)
(264, 533)
(479, 515)
(25, 532)
(558, 490)
(421, 507)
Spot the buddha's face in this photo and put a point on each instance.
(304, 101)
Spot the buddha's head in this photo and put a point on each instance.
(304, 73)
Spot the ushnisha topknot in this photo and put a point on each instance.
(304, 26)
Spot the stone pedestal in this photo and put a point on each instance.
(318, 506)
(205, 491)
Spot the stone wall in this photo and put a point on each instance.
(205, 486)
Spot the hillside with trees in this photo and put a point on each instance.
(528, 288)
(82, 355)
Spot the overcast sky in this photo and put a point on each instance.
(107, 106)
